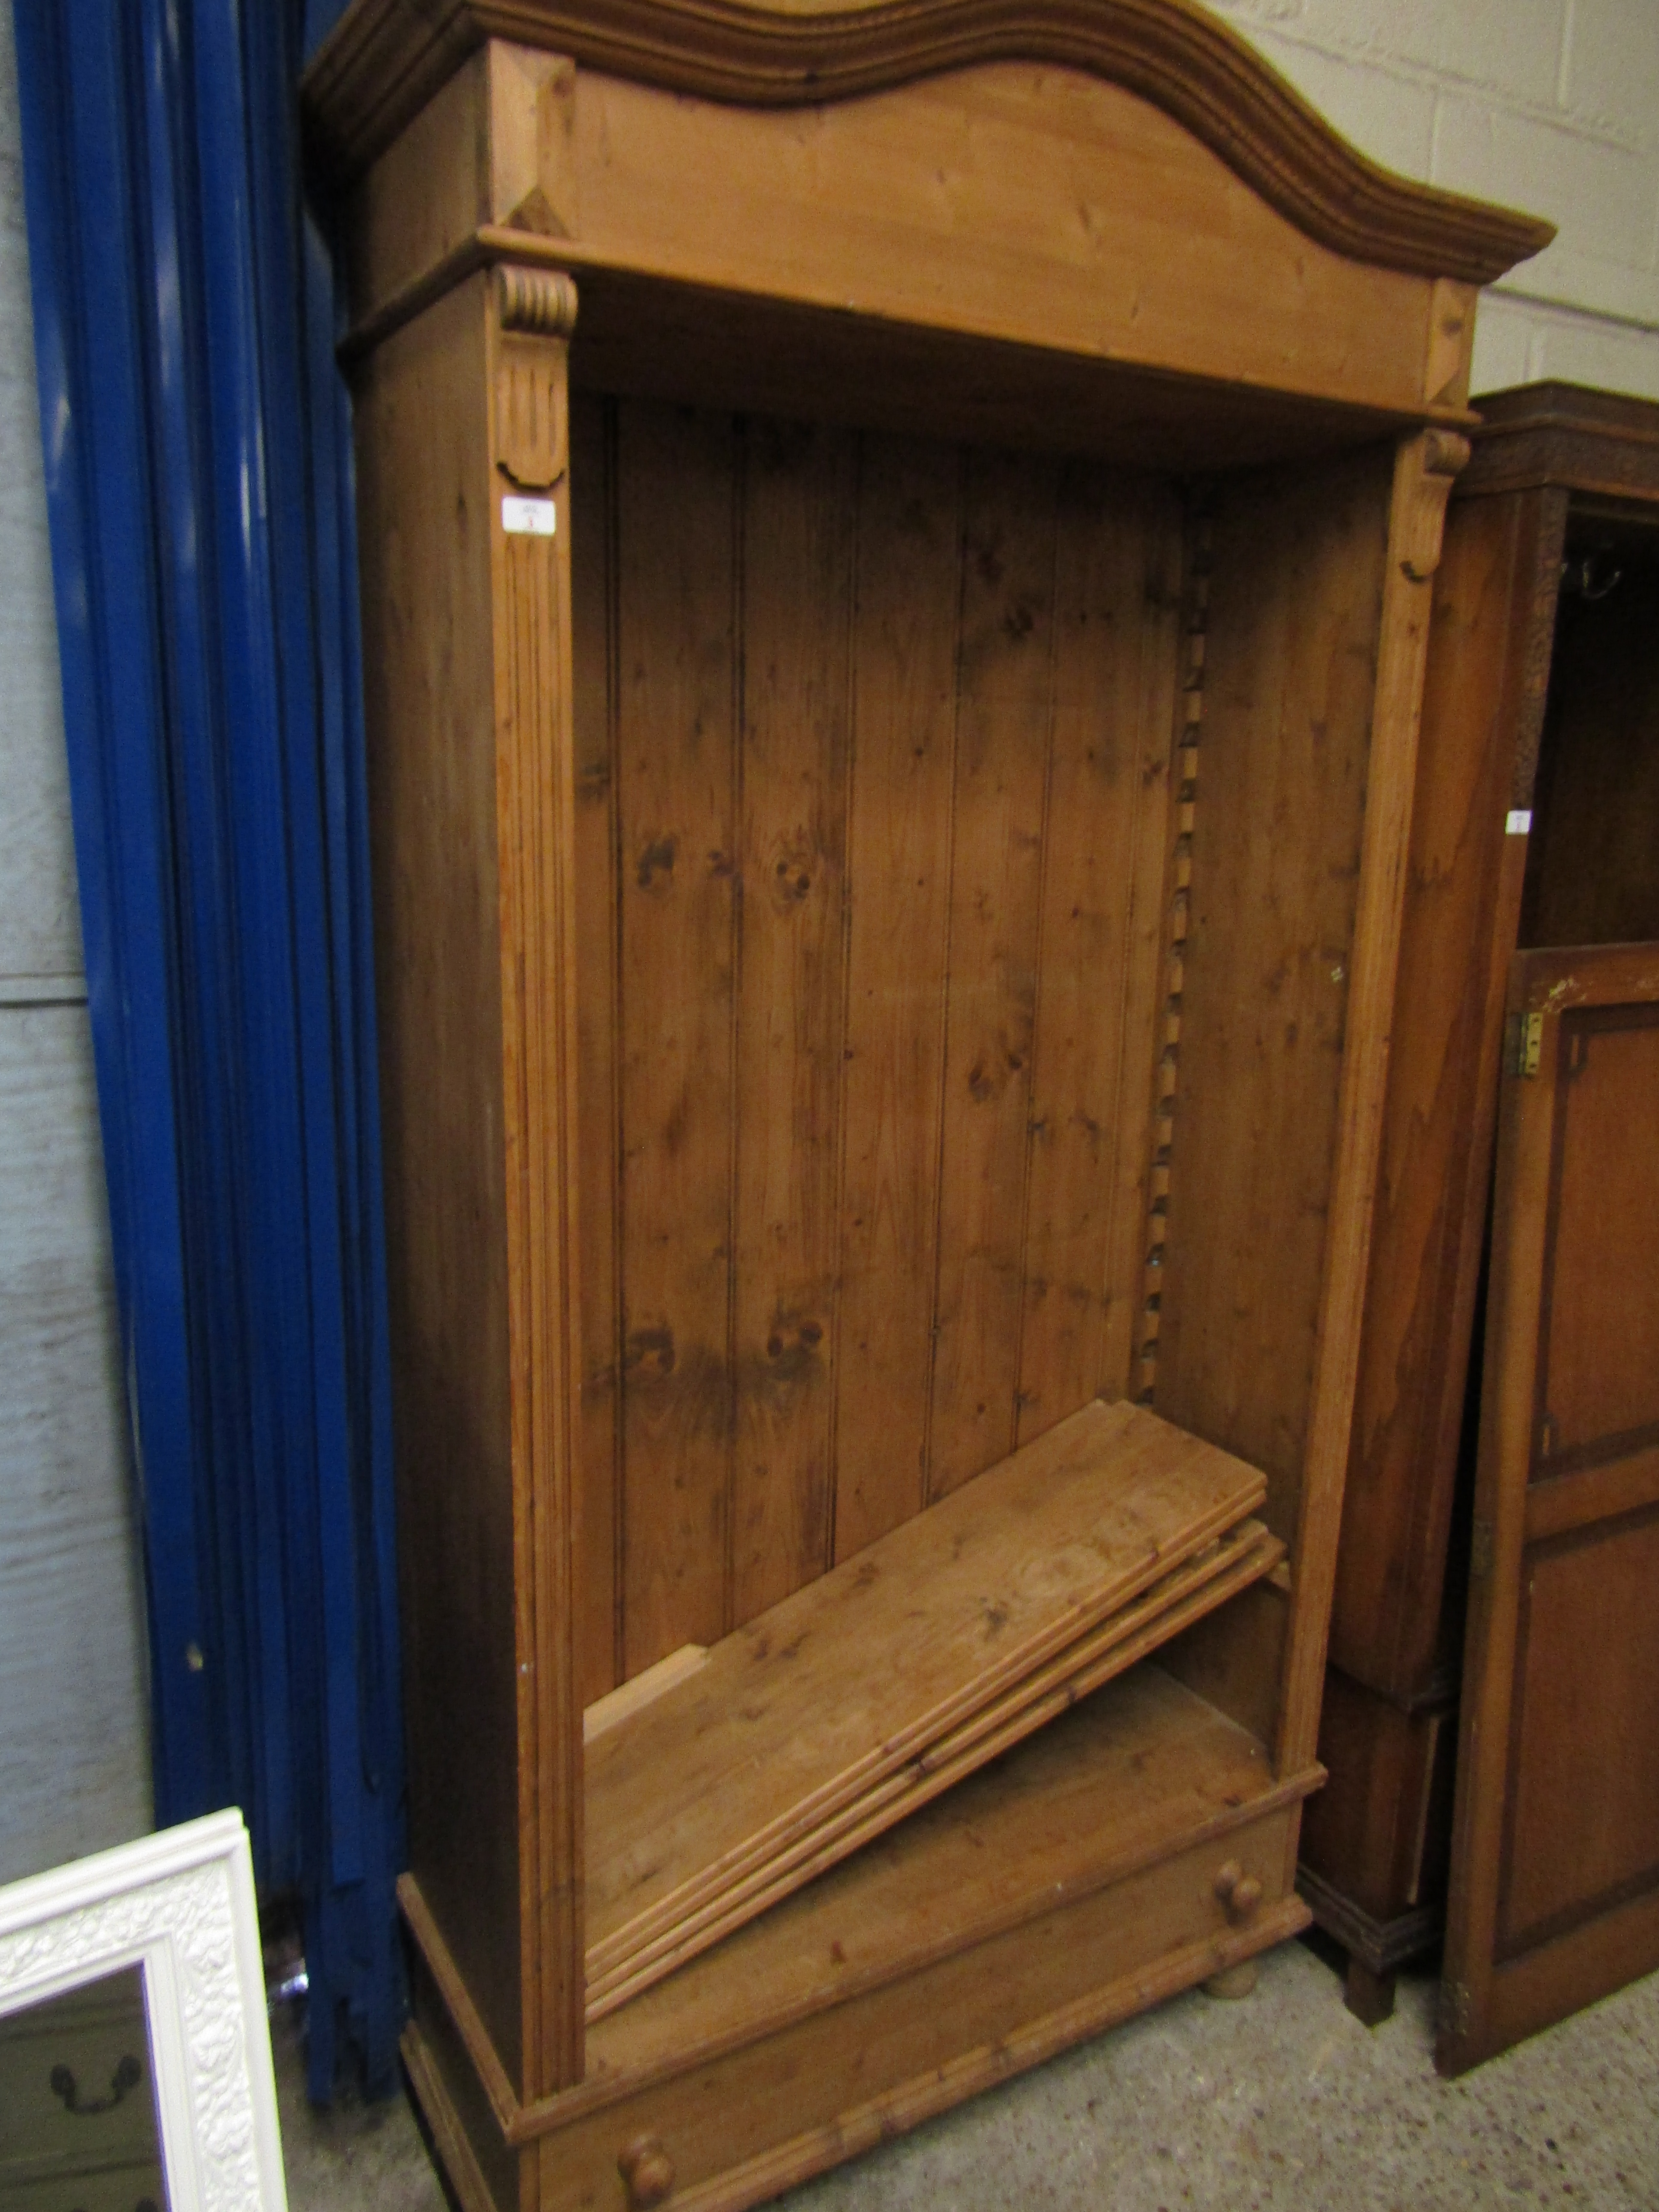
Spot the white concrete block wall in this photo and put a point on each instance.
(74, 1728)
(1552, 105)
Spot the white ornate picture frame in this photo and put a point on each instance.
(178, 1905)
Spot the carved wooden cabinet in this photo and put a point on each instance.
(895, 566)
(1536, 824)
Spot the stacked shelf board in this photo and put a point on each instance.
(846, 1707)
(887, 900)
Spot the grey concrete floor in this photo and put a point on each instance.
(1282, 2100)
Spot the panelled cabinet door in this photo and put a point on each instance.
(1555, 1873)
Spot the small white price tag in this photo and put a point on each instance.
(1518, 822)
(529, 518)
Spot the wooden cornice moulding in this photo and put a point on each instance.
(386, 58)
(1554, 405)
(1598, 444)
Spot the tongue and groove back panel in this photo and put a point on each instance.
(875, 886)
(873, 744)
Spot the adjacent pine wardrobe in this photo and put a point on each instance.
(896, 557)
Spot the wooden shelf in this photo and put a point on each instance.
(828, 1692)
(839, 1710)
(657, 337)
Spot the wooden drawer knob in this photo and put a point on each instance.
(648, 2170)
(1240, 1892)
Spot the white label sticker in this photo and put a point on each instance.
(529, 518)
(1518, 822)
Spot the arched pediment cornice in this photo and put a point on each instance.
(386, 57)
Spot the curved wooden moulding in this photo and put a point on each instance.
(386, 57)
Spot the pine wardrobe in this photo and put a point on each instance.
(895, 551)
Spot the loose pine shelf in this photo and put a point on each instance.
(1227, 1566)
(835, 1713)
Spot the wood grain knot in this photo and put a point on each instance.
(648, 2169)
(542, 302)
(1240, 1892)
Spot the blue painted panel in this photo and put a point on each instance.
(199, 492)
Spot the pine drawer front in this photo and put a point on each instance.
(791, 2099)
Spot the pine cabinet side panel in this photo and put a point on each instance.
(593, 584)
(423, 504)
(536, 842)
(1493, 593)
(1424, 467)
(1291, 670)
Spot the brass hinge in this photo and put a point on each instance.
(1454, 2007)
(1523, 1044)
(1482, 1547)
